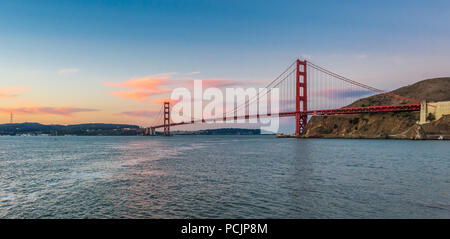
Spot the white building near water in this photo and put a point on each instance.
(438, 109)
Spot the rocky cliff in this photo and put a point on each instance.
(390, 124)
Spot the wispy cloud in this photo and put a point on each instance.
(306, 56)
(68, 70)
(141, 113)
(140, 89)
(133, 95)
(361, 56)
(12, 91)
(213, 83)
(207, 83)
(145, 83)
(342, 93)
(161, 101)
(35, 110)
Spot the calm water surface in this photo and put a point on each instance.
(222, 177)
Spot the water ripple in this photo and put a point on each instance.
(222, 177)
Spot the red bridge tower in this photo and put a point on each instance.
(301, 101)
(166, 118)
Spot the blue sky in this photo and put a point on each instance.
(382, 43)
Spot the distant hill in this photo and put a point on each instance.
(79, 129)
(106, 130)
(389, 124)
(436, 89)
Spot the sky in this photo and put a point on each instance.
(69, 62)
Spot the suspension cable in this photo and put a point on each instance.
(360, 84)
(249, 101)
(157, 116)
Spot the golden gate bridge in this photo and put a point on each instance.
(305, 89)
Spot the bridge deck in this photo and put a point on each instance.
(356, 110)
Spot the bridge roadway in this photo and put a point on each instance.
(355, 110)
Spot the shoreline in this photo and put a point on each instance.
(393, 137)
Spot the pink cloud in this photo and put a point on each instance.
(160, 101)
(35, 110)
(147, 83)
(69, 70)
(133, 95)
(208, 83)
(11, 91)
(140, 88)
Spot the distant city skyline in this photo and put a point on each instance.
(68, 62)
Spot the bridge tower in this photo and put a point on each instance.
(166, 118)
(301, 101)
